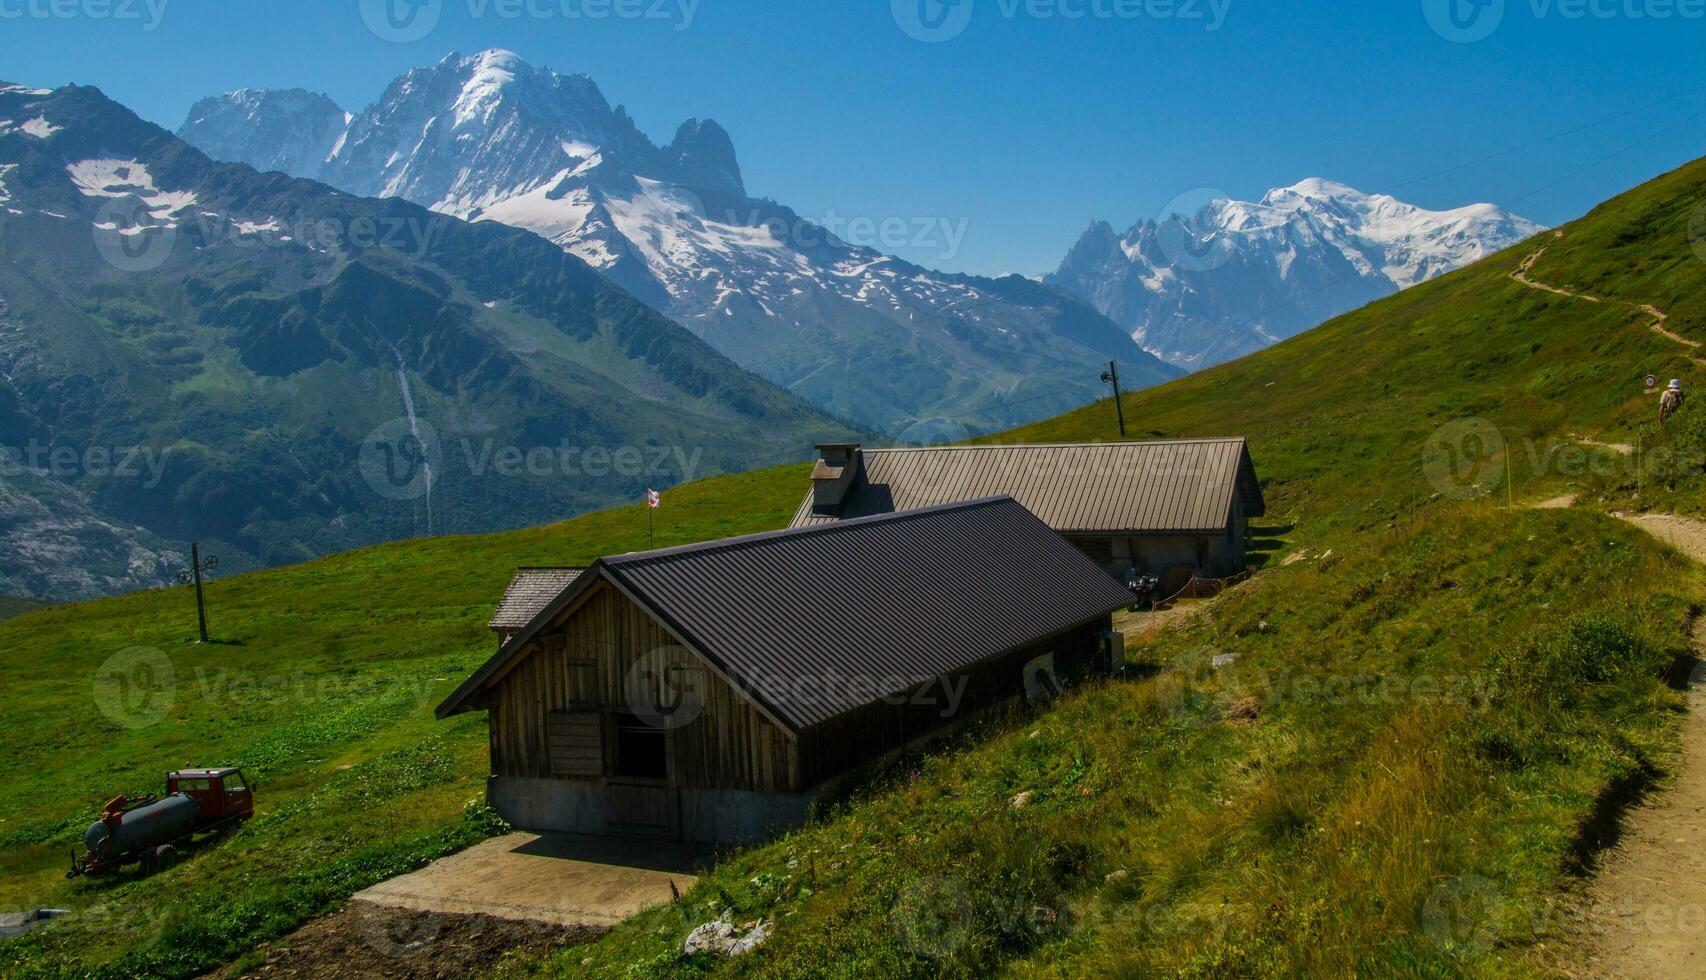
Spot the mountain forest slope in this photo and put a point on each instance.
(1437, 708)
(193, 350)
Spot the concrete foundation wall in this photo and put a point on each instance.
(706, 816)
(740, 817)
(561, 806)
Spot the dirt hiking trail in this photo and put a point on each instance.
(1660, 317)
(1646, 909)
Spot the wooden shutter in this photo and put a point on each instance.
(577, 743)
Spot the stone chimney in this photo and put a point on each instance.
(837, 468)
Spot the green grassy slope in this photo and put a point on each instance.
(1442, 692)
(10, 606)
(321, 684)
(1445, 692)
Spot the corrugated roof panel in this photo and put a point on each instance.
(890, 601)
(1131, 487)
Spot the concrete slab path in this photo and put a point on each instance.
(559, 879)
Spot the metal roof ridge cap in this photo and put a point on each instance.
(741, 541)
(1114, 444)
(551, 568)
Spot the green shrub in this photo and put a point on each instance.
(1589, 650)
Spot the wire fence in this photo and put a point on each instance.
(1206, 588)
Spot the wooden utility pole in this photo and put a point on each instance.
(1112, 376)
(193, 574)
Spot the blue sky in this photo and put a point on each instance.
(1021, 119)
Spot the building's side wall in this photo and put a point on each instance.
(583, 663)
(1150, 553)
(1217, 555)
(858, 738)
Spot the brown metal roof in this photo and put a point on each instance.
(892, 600)
(1125, 487)
(531, 590)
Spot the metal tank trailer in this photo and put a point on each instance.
(154, 832)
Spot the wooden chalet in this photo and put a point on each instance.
(1158, 507)
(714, 692)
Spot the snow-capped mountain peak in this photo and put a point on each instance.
(899, 348)
(493, 72)
(285, 130)
(1237, 275)
(1314, 188)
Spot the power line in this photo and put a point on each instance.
(1545, 139)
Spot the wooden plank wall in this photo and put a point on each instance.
(876, 729)
(581, 663)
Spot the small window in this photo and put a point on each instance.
(193, 785)
(234, 783)
(640, 749)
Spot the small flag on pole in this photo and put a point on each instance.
(654, 500)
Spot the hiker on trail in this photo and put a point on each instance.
(1671, 401)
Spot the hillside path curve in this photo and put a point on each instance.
(1646, 909)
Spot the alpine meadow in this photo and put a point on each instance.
(602, 570)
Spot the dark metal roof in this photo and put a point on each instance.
(892, 600)
(1121, 487)
(531, 590)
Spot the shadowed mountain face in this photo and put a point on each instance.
(919, 354)
(193, 350)
(1234, 276)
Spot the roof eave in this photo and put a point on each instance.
(457, 702)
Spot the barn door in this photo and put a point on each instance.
(639, 795)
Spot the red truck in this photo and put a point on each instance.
(154, 832)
